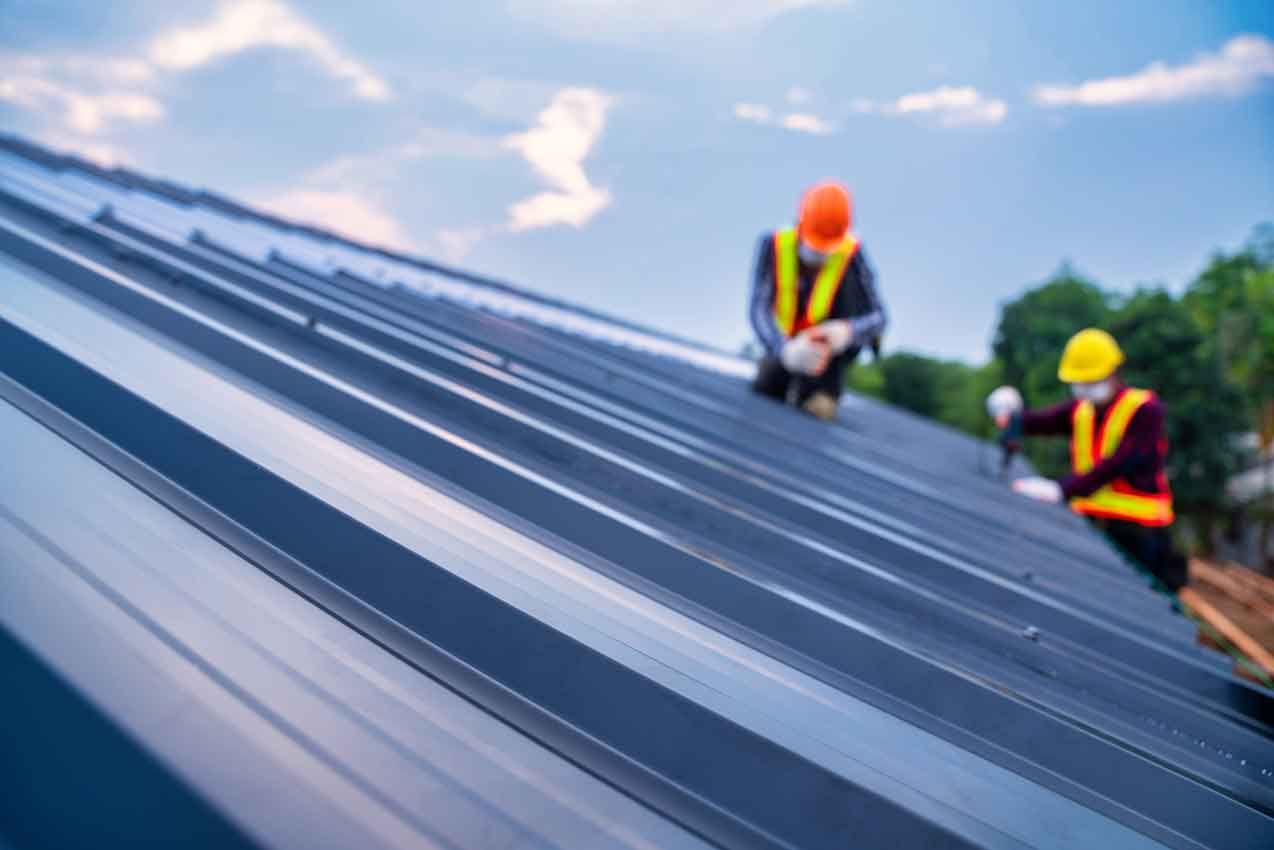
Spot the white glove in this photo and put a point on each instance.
(838, 333)
(1039, 489)
(1003, 400)
(804, 355)
(1002, 404)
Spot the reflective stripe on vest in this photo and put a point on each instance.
(787, 282)
(1117, 500)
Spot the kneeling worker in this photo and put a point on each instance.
(814, 304)
(1118, 449)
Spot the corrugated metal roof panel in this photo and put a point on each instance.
(355, 747)
(847, 635)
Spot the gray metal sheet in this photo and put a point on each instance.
(363, 716)
(909, 765)
(199, 654)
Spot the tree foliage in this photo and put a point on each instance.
(946, 390)
(1169, 351)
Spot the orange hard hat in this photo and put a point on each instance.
(825, 216)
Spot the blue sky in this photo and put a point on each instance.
(626, 154)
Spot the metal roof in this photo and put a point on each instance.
(339, 548)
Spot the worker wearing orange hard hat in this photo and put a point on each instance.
(814, 304)
(1118, 453)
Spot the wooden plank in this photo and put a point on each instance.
(1257, 584)
(1207, 612)
(1234, 587)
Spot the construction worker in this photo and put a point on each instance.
(814, 304)
(1118, 449)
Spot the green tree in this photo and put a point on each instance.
(963, 395)
(867, 379)
(1233, 302)
(1257, 377)
(1168, 351)
(912, 381)
(948, 391)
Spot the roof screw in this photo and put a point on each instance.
(1031, 633)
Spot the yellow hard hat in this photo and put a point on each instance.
(1091, 355)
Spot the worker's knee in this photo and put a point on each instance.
(771, 378)
(821, 405)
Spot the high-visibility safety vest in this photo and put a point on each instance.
(787, 282)
(1090, 446)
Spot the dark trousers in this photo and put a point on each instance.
(1152, 548)
(776, 382)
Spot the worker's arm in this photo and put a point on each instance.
(1139, 447)
(870, 325)
(1048, 421)
(761, 309)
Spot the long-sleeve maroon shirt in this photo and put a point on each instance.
(1139, 459)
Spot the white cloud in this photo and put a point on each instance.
(949, 106)
(81, 98)
(338, 192)
(629, 19)
(99, 69)
(752, 112)
(502, 98)
(457, 243)
(347, 213)
(952, 106)
(88, 113)
(239, 25)
(797, 96)
(87, 93)
(105, 155)
(1236, 69)
(79, 111)
(800, 122)
(803, 122)
(556, 148)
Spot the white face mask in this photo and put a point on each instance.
(810, 256)
(1098, 392)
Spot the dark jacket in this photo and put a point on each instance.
(855, 300)
(1139, 459)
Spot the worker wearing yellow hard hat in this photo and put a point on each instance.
(1118, 453)
(814, 304)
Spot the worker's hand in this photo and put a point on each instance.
(1039, 489)
(838, 333)
(806, 354)
(1002, 404)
